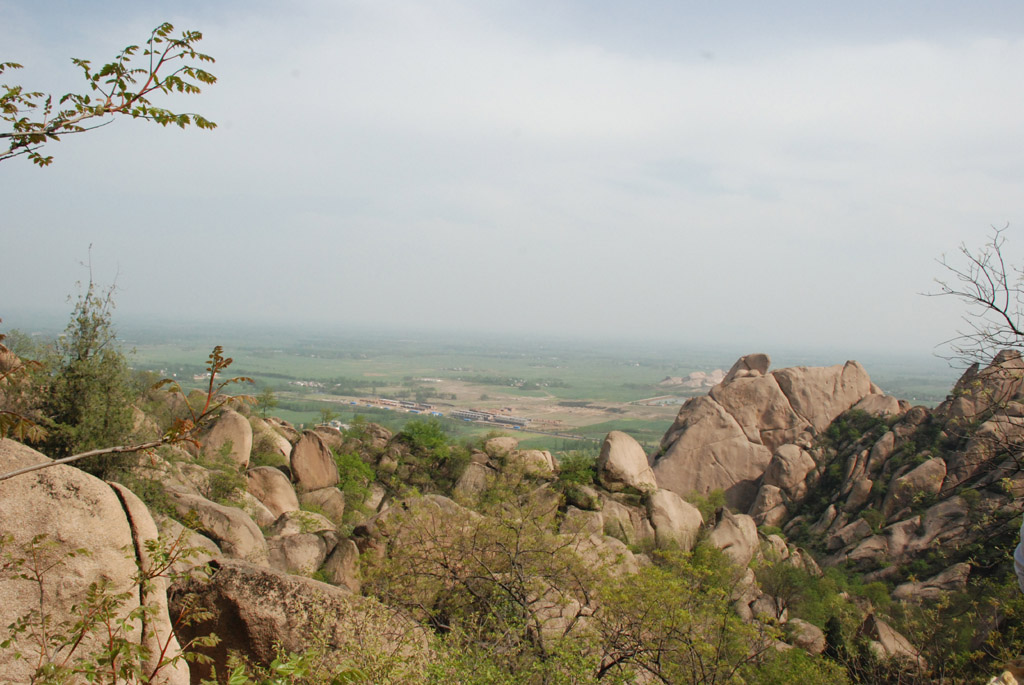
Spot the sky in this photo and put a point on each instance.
(742, 173)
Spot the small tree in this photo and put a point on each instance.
(266, 400)
(88, 402)
(124, 86)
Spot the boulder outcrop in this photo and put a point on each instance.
(257, 610)
(728, 438)
(230, 433)
(312, 464)
(74, 510)
(622, 464)
(271, 487)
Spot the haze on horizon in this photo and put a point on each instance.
(738, 173)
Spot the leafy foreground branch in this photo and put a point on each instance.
(99, 640)
(166, 64)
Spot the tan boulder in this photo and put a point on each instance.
(952, 579)
(676, 522)
(74, 511)
(331, 501)
(500, 447)
(748, 366)
(879, 405)
(848, 534)
(331, 436)
(235, 533)
(301, 553)
(860, 492)
(607, 553)
(736, 535)
(342, 566)
(705, 450)
(880, 452)
(582, 523)
(623, 465)
(312, 463)
(296, 522)
(286, 429)
(887, 643)
(230, 433)
(271, 487)
(629, 524)
(266, 439)
(473, 481)
(537, 463)
(257, 611)
(820, 394)
(788, 470)
(256, 510)
(924, 479)
(806, 636)
(202, 549)
(761, 409)
(769, 507)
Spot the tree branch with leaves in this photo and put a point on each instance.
(164, 64)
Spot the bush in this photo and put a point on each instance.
(577, 467)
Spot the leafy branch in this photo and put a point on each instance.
(166, 64)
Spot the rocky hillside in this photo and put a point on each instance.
(819, 529)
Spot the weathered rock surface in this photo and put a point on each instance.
(924, 479)
(235, 533)
(266, 439)
(623, 465)
(271, 487)
(256, 610)
(313, 464)
(705, 450)
(676, 522)
(301, 553)
(736, 535)
(331, 501)
(788, 470)
(342, 566)
(331, 436)
(73, 510)
(629, 524)
(806, 636)
(537, 463)
(769, 508)
(727, 439)
(230, 432)
(952, 579)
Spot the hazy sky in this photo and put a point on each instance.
(746, 172)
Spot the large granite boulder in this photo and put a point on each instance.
(74, 511)
(230, 433)
(266, 439)
(235, 533)
(727, 439)
(623, 465)
(271, 487)
(676, 522)
(925, 479)
(705, 450)
(257, 611)
(736, 535)
(312, 463)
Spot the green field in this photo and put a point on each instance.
(587, 388)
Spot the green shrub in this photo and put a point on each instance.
(577, 467)
(707, 504)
